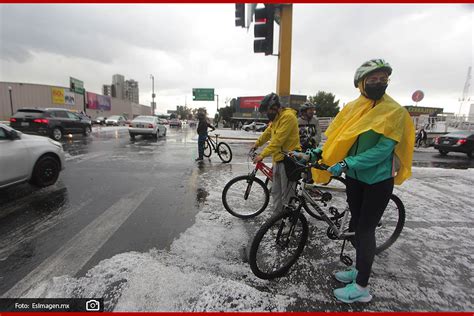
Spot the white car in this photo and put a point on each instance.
(254, 126)
(146, 125)
(32, 158)
(115, 120)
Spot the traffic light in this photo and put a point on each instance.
(263, 30)
(240, 14)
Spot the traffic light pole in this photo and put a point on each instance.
(284, 56)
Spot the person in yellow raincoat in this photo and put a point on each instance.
(283, 134)
(371, 140)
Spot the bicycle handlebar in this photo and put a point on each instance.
(316, 165)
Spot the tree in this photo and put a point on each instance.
(226, 113)
(325, 104)
(183, 111)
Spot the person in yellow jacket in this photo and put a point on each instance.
(283, 134)
(371, 140)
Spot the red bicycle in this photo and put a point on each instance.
(256, 193)
(247, 196)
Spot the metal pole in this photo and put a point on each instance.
(11, 100)
(284, 56)
(152, 95)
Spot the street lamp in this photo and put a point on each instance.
(217, 124)
(152, 95)
(11, 100)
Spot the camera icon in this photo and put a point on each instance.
(92, 306)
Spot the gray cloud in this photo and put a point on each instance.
(196, 45)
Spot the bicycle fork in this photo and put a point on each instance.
(345, 237)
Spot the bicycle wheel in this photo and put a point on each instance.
(207, 149)
(278, 244)
(245, 196)
(224, 152)
(337, 205)
(390, 225)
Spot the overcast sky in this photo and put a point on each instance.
(185, 46)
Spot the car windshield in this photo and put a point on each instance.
(144, 118)
(115, 117)
(459, 134)
(28, 113)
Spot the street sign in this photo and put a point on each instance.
(76, 85)
(417, 96)
(203, 94)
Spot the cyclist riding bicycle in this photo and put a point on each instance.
(283, 134)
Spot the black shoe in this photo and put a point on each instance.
(199, 159)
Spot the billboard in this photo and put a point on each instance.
(98, 102)
(250, 102)
(69, 98)
(57, 95)
(76, 85)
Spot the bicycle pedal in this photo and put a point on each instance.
(346, 260)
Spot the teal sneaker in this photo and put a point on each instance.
(352, 293)
(347, 276)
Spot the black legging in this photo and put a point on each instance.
(367, 203)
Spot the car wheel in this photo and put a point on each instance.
(164, 134)
(132, 136)
(443, 152)
(246, 129)
(471, 154)
(57, 134)
(45, 172)
(87, 131)
(155, 136)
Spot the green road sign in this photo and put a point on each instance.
(76, 85)
(200, 94)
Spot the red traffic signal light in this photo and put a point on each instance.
(240, 14)
(263, 29)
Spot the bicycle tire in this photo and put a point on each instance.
(224, 152)
(396, 208)
(247, 182)
(339, 201)
(274, 228)
(207, 149)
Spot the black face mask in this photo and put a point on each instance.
(375, 92)
(271, 115)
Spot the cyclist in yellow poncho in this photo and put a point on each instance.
(371, 140)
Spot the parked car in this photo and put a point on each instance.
(256, 126)
(461, 141)
(50, 122)
(146, 125)
(175, 123)
(163, 121)
(28, 158)
(115, 120)
(99, 120)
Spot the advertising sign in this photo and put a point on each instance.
(98, 102)
(76, 85)
(250, 102)
(203, 94)
(57, 95)
(69, 98)
(417, 96)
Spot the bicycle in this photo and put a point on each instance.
(289, 229)
(222, 149)
(248, 196)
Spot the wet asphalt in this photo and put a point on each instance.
(106, 170)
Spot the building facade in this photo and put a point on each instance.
(27, 95)
(107, 89)
(131, 90)
(118, 86)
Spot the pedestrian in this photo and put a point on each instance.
(310, 132)
(421, 137)
(282, 132)
(203, 125)
(372, 141)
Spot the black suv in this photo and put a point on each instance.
(50, 122)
